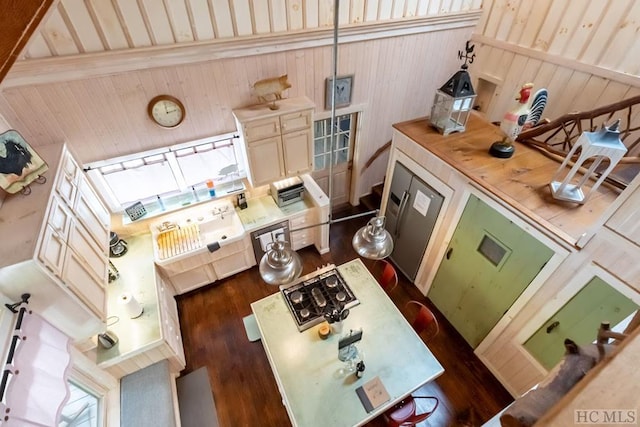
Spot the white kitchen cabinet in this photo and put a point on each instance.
(278, 143)
(234, 258)
(170, 322)
(306, 236)
(206, 267)
(266, 163)
(59, 250)
(191, 278)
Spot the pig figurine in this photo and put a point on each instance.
(269, 90)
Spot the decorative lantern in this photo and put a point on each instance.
(595, 146)
(454, 100)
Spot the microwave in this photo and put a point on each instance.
(287, 191)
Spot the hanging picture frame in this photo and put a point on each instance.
(20, 165)
(344, 86)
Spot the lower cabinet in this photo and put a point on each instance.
(165, 344)
(307, 236)
(170, 321)
(204, 268)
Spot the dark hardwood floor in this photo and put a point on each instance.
(243, 385)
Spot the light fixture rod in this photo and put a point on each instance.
(333, 221)
(334, 78)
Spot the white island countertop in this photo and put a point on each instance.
(306, 367)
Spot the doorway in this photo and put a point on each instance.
(489, 262)
(579, 320)
(346, 125)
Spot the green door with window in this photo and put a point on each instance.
(487, 265)
(579, 320)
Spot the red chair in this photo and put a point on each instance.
(423, 319)
(385, 274)
(403, 414)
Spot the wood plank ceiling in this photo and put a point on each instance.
(89, 26)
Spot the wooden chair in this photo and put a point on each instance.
(423, 319)
(386, 275)
(403, 414)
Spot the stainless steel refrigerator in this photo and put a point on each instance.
(412, 211)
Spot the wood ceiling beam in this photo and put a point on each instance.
(18, 20)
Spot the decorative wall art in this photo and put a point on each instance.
(20, 165)
(343, 91)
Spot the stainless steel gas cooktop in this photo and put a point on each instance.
(311, 296)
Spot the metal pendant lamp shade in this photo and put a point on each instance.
(373, 241)
(280, 265)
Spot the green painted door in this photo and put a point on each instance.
(487, 265)
(579, 320)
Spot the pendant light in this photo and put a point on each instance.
(281, 265)
(373, 241)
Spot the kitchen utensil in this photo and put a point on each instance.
(107, 339)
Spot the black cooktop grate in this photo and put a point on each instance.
(309, 298)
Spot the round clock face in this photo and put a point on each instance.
(166, 111)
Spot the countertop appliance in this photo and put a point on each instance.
(117, 246)
(412, 211)
(287, 191)
(309, 297)
(107, 339)
(262, 237)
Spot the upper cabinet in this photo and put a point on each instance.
(59, 247)
(278, 143)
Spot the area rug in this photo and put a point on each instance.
(197, 408)
(251, 328)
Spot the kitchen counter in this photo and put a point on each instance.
(306, 367)
(521, 181)
(137, 276)
(263, 211)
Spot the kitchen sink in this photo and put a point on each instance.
(224, 228)
(191, 231)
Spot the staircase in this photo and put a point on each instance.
(373, 200)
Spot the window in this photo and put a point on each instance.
(82, 408)
(322, 141)
(169, 173)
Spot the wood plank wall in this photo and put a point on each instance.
(578, 50)
(394, 80)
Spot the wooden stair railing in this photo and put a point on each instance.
(375, 155)
(558, 136)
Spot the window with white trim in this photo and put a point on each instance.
(169, 172)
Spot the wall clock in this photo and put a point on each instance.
(166, 111)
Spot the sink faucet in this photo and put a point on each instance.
(166, 226)
(220, 211)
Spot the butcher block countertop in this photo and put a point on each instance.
(521, 181)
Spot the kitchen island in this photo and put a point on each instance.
(307, 369)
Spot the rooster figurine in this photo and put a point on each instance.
(512, 123)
